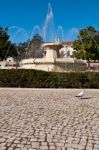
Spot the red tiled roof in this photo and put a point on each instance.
(64, 43)
(67, 43)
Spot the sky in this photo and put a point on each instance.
(21, 16)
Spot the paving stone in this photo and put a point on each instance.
(54, 119)
(44, 147)
(2, 140)
(52, 147)
(35, 144)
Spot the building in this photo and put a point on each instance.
(9, 63)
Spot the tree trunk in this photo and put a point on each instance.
(88, 65)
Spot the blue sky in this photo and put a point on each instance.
(26, 14)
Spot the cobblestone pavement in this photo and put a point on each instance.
(49, 119)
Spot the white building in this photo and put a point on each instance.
(10, 59)
(9, 63)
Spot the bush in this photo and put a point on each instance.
(42, 79)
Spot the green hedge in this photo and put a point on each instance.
(42, 79)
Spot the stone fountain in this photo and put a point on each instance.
(52, 62)
(52, 49)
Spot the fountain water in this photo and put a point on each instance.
(36, 30)
(46, 31)
(48, 25)
(15, 30)
(22, 32)
(15, 33)
(60, 33)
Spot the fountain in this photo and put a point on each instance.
(52, 61)
(52, 49)
(46, 31)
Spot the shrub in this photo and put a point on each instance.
(42, 79)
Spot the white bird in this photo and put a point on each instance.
(81, 94)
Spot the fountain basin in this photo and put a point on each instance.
(54, 46)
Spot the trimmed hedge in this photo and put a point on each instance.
(42, 79)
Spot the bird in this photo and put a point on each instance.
(80, 95)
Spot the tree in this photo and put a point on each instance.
(31, 48)
(22, 49)
(4, 42)
(87, 45)
(35, 46)
(6, 47)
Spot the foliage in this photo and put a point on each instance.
(87, 44)
(42, 79)
(6, 47)
(31, 48)
(35, 45)
(22, 49)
